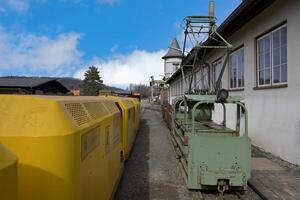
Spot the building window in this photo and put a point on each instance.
(186, 84)
(272, 57)
(177, 87)
(181, 87)
(236, 67)
(217, 66)
(202, 78)
(176, 67)
(174, 89)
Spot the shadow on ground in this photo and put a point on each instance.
(135, 181)
(152, 171)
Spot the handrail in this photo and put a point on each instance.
(246, 117)
(206, 102)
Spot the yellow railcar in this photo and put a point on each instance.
(8, 175)
(137, 108)
(128, 122)
(68, 147)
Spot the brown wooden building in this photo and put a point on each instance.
(32, 85)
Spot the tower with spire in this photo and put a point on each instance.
(173, 59)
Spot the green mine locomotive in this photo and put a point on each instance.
(213, 155)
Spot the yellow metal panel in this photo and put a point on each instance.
(137, 111)
(61, 146)
(128, 123)
(29, 115)
(8, 175)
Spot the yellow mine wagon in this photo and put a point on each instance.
(128, 122)
(68, 147)
(137, 108)
(131, 126)
(8, 175)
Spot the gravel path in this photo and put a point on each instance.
(152, 171)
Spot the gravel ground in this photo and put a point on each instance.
(152, 171)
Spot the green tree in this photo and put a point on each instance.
(92, 82)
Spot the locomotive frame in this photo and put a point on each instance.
(212, 155)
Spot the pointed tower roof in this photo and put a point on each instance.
(174, 50)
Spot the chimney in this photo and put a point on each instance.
(211, 8)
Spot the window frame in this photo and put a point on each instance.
(219, 60)
(257, 60)
(257, 39)
(229, 69)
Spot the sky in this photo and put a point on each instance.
(125, 39)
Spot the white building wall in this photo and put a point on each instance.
(274, 114)
(170, 66)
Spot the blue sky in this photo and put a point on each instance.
(124, 38)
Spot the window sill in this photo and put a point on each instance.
(270, 87)
(236, 90)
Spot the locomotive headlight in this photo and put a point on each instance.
(222, 95)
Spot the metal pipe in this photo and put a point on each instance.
(246, 117)
(224, 114)
(238, 118)
(211, 8)
(185, 110)
(193, 113)
(192, 75)
(218, 83)
(181, 66)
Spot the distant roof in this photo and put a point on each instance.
(13, 81)
(246, 11)
(174, 50)
(70, 83)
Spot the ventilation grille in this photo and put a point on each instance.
(77, 112)
(111, 106)
(95, 109)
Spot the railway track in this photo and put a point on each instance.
(204, 196)
(249, 195)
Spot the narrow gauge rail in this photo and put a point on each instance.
(68, 148)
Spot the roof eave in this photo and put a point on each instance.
(166, 57)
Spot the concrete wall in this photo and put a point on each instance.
(274, 114)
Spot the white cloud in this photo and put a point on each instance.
(110, 2)
(22, 6)
(28, 54)
(114, 48)
(17, 5)
(135, 67)
(32, 53)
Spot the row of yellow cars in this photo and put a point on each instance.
(63, 147)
